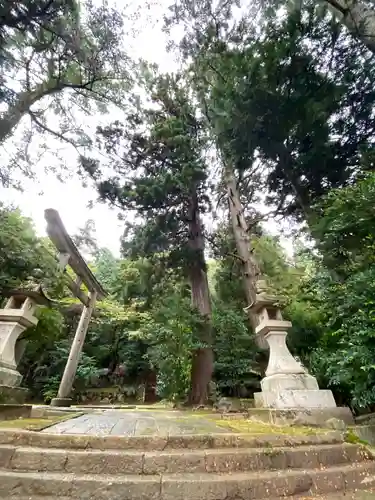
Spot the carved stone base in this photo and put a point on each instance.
(12, 395)
(61, 402)
(10, 377)
(289, 382)
(301, 416)
(290, 399)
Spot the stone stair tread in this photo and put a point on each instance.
(168, 442)
(193, 476)
(177, 452)
(211, 461)
(192, 486)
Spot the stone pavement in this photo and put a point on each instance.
(136, 423)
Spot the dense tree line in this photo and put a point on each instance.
(272, 108)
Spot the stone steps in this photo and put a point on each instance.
(155, 443)
(42, 466)
(248, 485)
(189, 461)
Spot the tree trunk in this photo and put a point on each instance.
(23, 102)
(203, 359)
(358, 17)
(250, 267)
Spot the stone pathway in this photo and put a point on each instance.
(136, 423)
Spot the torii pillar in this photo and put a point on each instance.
(66, 384)
(69, 255)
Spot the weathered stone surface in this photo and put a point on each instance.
(6, 453)
(13, 395)
(109, 462)
(359, 476)
(37, 483)
(191, 442)
(173, 462)
(328, 481)
(312, 417)
(12, 411)
(206, 460)
(228, 405)
(335, 423)
(365, 432)
(286, 399)
(367, 419)
(289, 381)
(193, 487)
(232, 460)
(127, 443)
(205, 486)
(38, 459)
(119, 488)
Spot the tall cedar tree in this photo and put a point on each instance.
(161, 176)
(207, 30)
(294, 101)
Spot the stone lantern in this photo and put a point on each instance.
(287, 383)
(17, 315)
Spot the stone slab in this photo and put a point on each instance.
(195, 486)
(137, 423)
(61, 402)
(365, 432)
(305, 416)
(12, 411)
(290, 399)
(13, 395)
(10, 377)
(289, 382)
(151, 443)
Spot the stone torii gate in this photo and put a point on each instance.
(69, 255)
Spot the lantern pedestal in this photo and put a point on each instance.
(17, 315)
(287, 385)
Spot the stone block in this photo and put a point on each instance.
(194, 487)
(116, 488)
(190, 441)
(10, 377)
(12, 411)
(127, 442)
(6, 453)
(174, 462)
(12, 395)
(38, 460)
(360, 476)
(222, 461)
(33, 483)
(328, 481)
(289, 382)
(295, 399)
(62, 402)
(99, 462)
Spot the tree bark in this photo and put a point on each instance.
(23, 102)
(250, 267)
(358, 17)
(203, 359)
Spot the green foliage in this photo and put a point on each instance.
(172, 337)
(23, 256)
(236, 367)
(48, 49)
(345, 228)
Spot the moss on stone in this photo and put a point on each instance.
(252, 427)
(35, 424)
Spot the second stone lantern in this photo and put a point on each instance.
(287, 384)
